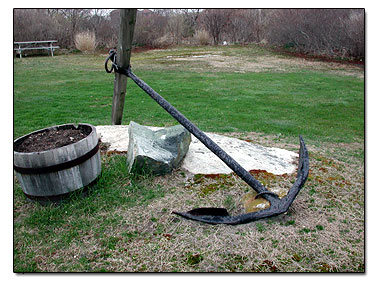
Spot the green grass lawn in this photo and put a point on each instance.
(75, 88)
(125, 224)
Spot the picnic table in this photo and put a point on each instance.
(33, 45)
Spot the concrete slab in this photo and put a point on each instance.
(200, 160)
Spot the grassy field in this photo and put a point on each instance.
(125, 224)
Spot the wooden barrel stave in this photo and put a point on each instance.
(62, 181)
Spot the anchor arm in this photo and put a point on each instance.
(302, 175)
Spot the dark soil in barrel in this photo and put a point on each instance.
(50, 139)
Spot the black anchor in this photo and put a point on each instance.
(220, 215)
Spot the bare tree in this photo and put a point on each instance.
(190, 18)
(319, 31)
(215, 21)
(32, 24)
(150, 25)
(330, 32)
(240, 26)
(175, 27)
(74, 19)
(97, 18)
(354, 29)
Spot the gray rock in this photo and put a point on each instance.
(156, 151)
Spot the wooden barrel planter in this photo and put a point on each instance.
(49, 173)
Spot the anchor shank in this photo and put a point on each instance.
(210, 144)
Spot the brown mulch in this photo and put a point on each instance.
(50, 139)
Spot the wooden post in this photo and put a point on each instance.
(126, 30)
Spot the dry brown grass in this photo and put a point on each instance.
(322, 232)
(271, 63)
(237, 60)
(201, 37)
(85, 41)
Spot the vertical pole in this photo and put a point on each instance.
(51, 48)
(126, 30)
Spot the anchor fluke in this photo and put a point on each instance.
(278, 206)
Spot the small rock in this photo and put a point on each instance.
(159, 151)
(200, 160)
(251, 204)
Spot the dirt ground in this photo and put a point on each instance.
(268, 62)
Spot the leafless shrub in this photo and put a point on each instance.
(111, 42)
(175, 28)
(201, 37)
(164, 41)
(355, 36)
(85, 41)
(190, 21)
(33, 25)
(215, 21)
(72, 21)
(149, 27)
(240, 27)
(330, 32)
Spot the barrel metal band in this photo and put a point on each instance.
(44, 200)
(58, 167)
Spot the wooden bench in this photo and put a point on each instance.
(47, 45)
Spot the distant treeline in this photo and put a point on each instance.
(326, 32)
